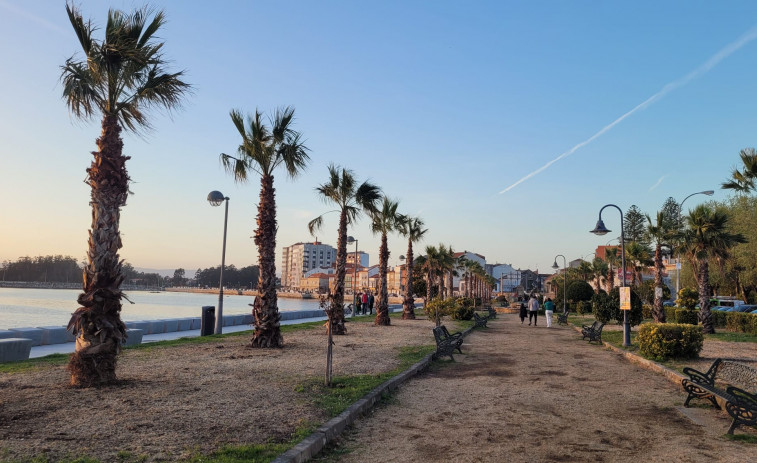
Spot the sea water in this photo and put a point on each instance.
(31, 307)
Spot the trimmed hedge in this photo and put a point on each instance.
(689, 317)
(659, 341)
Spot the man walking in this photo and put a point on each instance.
(549, 309)
(370, 302)
(533, 309)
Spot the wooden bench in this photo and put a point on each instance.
(725, 379)
(479, 320)
(445, 345)
(457, 338)
(593, 331)
(562, 319)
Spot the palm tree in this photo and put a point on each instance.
(412, 228)
(742, 181)
(660, 234)
(446, 268)
(384, 221)
(600, 270)
(585, 271)
(638, 256)
(705, 236)
(119, 78)
(429, 264)
(262, 150)
(613, 259)
(351, 200)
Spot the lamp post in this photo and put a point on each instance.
(565, 282)
(354, 277)
(215, 198)
(600, 230)
(678, 257)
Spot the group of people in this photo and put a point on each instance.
(532, 309)
(364, 303)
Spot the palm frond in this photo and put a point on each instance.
(315, 224)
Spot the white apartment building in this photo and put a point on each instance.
(362, 258)
(458, 281)
(300, 258)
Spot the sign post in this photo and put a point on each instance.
(625, 298)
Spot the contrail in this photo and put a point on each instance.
(709, 64)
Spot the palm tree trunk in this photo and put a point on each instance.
(450, 285)
(610, 279)
(97, 323)
(337, 307)
(382, 307)
(659, 313)
(703, 282)
(408, 303)
(265, 310)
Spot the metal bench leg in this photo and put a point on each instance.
(733, 426)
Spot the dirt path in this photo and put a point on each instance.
(524, 393)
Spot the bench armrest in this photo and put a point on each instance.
(697, 376)
(744, 398)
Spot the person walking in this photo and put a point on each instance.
(365, 302)
(359, 304)
(371, 299)
(533, 309)
(523, 310)
(549, 309)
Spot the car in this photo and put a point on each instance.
(754, 311)
(668, 304)
(745, 308)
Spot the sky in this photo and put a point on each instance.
(505, 125)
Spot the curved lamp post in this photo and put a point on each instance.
(565, 283)
(354, 277)
(216, 198)
(678, 257)
(600, 229)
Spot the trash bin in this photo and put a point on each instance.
(207, 320)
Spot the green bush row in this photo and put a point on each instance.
(664, 341)
(732, 321)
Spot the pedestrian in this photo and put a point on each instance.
(359, 304)
(365, 302)
(370, 302)
(549, 309)
(533, 309)
(523, 310)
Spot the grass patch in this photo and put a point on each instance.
(730, 336)
(27, 365)
(748, 438)
(346, 390)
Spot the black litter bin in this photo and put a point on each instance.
(207, 320)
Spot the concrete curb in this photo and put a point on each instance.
(314, 443)
(672, 376)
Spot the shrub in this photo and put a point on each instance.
(584, 307)
(463, 309)
(646, 312)
(687, 298)
(502, 301)
(442, 306)
(670, 314)
(739, 322)
(603, 308)
(634, 315)
(661, 341)
(580, 291)
(689, 317)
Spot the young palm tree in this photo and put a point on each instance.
(119, 78)
(706, 236)
(613, 259)
(638, 256)
(262, 150)
(599, 269)
(384, 221)
(351, 200)
(412, 228)
(660, 234)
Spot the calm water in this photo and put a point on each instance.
(23, 307)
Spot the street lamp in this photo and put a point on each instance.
(216, 198)
(600, 230)
(678, 257)
(565, 283)
(354, 277)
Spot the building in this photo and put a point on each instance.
(508, 278)
(300, 258)
(317, 283)
(458, 281)
(362, 258)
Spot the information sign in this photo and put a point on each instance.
(625, 298)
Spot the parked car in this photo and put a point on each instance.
(745, 308)
(754, 311)
(668, 304)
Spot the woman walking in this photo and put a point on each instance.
(523, 310)
(533, 309)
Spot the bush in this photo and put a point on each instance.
(442, 306)
(634, 315)
(603, 308)
(580, 291)
(661, 341)
(687, 298)
(719, 319)
(584, 307)
(670, 313)
(739, 322)
(646, 312)
(463, 309)
(689, 317)
(502, 301)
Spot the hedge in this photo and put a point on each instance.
(659, 341)
(732, 321)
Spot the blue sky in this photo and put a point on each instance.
(443, 104)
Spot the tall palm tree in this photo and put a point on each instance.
(429, 264)
(613, 259)
(384, 221)
(660, 233)
(120, 77)
(600, 270)
(638, 256)
(446, 267)
(412, 228)
(585, 271)
(262, 150)
(743, 181)
(351, 200)
(706, 235)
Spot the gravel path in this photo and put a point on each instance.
(524, 393)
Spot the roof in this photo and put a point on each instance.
(459, 254)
